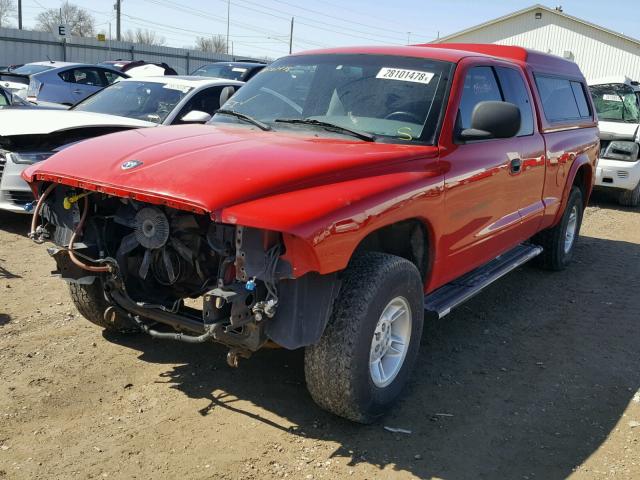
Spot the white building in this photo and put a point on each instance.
(597, 50)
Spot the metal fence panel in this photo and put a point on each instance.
(24, 46)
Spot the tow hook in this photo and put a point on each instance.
(234, 354)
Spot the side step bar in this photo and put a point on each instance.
(462, 289)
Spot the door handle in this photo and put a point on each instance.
(77, 92)
(515, 163)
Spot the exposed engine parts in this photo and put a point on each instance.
(150, 259)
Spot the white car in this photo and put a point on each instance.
(617, 102)
(28, 136)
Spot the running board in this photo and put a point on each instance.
(462, 289)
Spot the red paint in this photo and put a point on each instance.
(326, 194)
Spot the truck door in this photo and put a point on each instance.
(489, 184)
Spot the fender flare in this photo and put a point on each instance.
(581, 161)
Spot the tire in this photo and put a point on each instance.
(556, 256)
(91, 303)
(630, 198)
(337, 368)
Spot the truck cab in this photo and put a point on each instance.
(617, 103)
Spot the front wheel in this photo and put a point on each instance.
(91, 303)
(358, 368)
(630, 198)
(559, 242)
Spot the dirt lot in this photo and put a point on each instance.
(537, 378)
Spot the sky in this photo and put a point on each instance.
(260, 28)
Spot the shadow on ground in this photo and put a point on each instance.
(16, 223)
(531, 375)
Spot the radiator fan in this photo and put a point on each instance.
(153, 231)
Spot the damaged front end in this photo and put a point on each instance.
(158, 266)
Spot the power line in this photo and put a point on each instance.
(362, 35)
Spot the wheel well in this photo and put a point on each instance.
(392, 239)
(583, 181)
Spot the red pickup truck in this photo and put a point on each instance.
(333, 200)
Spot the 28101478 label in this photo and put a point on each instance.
(404, 75)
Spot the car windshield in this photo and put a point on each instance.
(150, 101)
(394, 98)
(616, 102)
(31, 69)
(221, 71)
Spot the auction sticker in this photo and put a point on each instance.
(401, 74)
(611, 98)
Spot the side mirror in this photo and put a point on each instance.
(196, 116)
(493, 119)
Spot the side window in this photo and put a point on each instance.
(208, 101)
(515, 91)
(4, 98)
(83, 76)
(562, 99)
(581, 99)
(480, 85)
(111, 77)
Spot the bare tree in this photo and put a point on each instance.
(81, 23)
(146, 37)
(7, 11)
(214, 44)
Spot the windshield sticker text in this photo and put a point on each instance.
(611, 98)
(180, 88)
(416, 76)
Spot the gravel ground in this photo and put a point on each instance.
(536, 378)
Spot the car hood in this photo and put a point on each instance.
(41, 121)
(618, 131)
(207, 168)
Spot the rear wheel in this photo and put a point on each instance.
(630, 198)
(92, 304)
(358, 368)
(559, 241)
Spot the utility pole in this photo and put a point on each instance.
(19, 14)
(228, 18)
(118, 11)
(291, 38)
(408, 38)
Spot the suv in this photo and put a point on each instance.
(332, 200)
(617, 103)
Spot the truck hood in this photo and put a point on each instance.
(618, 131)
(42, 121)
(207, 168)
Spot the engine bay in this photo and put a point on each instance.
(151, 259)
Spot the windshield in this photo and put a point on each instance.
(148, 101)
(31, 69)
(616, 102)
(221, 71)
(395, 98)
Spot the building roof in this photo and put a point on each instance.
(531, 9)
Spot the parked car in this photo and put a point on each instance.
(329, 217)
(140, 68)
(242, 71)
(617, 102)
(9, 99)
(27, 137)
(64, 83)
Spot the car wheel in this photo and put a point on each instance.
(92, 304)
(367, 351)
(559, 242)
(630, 198)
